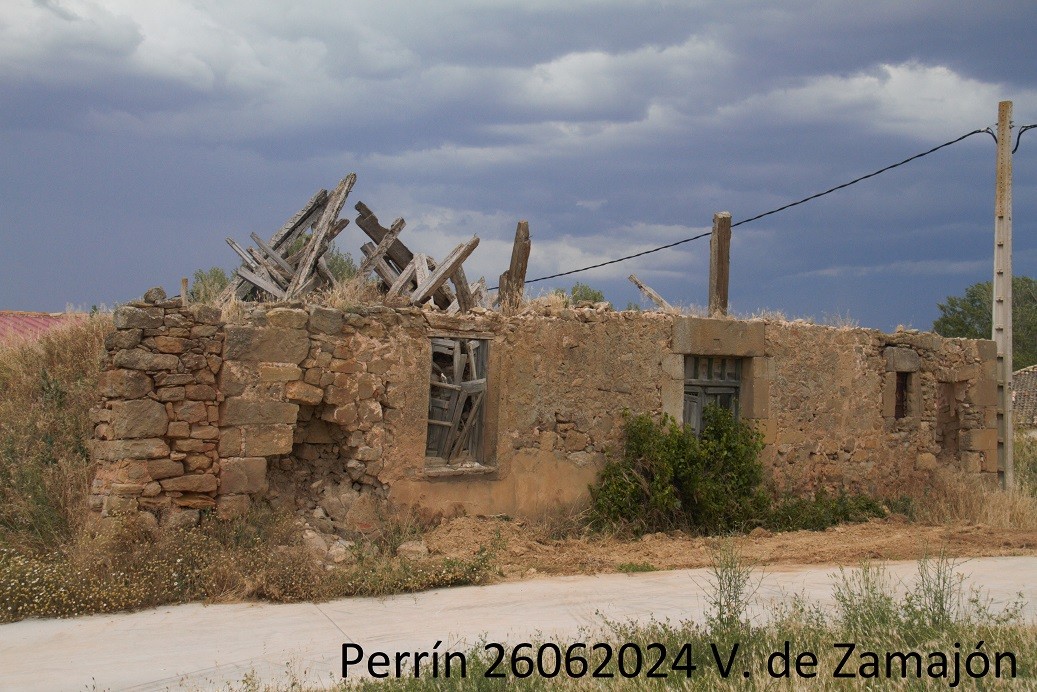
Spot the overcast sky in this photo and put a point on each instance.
(135, 135)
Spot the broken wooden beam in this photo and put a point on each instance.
(387, 274)
(446, 269)
(324, 231)
(464, 300)
(649, 293)
(383, 246)
(513, 281)
(397, 253)
(719, 263)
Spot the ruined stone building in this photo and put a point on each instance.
(495, 414)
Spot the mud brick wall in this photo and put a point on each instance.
(325, 412)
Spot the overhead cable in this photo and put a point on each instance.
(774, 211)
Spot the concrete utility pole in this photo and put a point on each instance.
(1002, 317)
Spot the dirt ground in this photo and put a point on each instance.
(524, 551)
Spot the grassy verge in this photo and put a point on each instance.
(128, 565)
(871, 637)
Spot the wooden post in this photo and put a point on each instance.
(183, 291)
(649, 293)
(513, 281)
(719, 263)
(1002, 316)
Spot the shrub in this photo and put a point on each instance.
(48, 386)
(669, 478)
(208, 285)
(822, 510)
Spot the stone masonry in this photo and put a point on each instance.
(326, 412)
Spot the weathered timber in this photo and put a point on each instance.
(297, 222)
(401, 285)
(383, 246)
(323, 232)
(421, 268)
(649, 293)
(464, 300)
(397, 254)
(513, 281)
(387, 274)
(449, 265)
(261, 282)
(240, 251)
(271, 254)
(719, 263)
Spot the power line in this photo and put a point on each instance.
(1019, 136)
(774, 211)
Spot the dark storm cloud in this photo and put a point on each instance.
(134, 137)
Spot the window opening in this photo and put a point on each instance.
(457, 392)
(900, 410)
(710, 380)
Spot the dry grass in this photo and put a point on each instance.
(49, 386)
(350, 293)
(953, 499)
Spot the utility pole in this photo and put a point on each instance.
(1002, 317)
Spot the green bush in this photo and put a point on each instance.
(822, 510)
(669, 478)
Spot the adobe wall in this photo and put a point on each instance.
(326, 411)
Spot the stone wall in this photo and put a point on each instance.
(326, 412)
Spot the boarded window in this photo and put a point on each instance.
(710, 380)
(903, 382)
(457, 393)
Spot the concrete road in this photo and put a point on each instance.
(219, 646)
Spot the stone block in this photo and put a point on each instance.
(325, 320)
(266, 440)
(169, 344)
(243, 475)
(279, 372)
(369, 411)
(230, 442)
(128, 317)
(576, 440)
(714, 337)
(369, 386)
(195, 501)
(986, 349)
(164, 468)
(202, 331)
(346, 366)
(239, 411)
(301, 393)
(194, 362)
(139, 359)
(192, 445)
(202, 431)
(266, 344)
(345, 414)
(984, 393)
(337, 395)
(979, 440)
(889, 395)
(200, 392)
(192, 483)
(171, 394)
(191, 411)
(205, 314)
(989, 462)
(122, 338)
(900, 359)
(125, 384)
(288, 318)
(114, 450)
(197, 462)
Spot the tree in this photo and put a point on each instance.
(207, 285)
(970, 317)
(581, 292)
